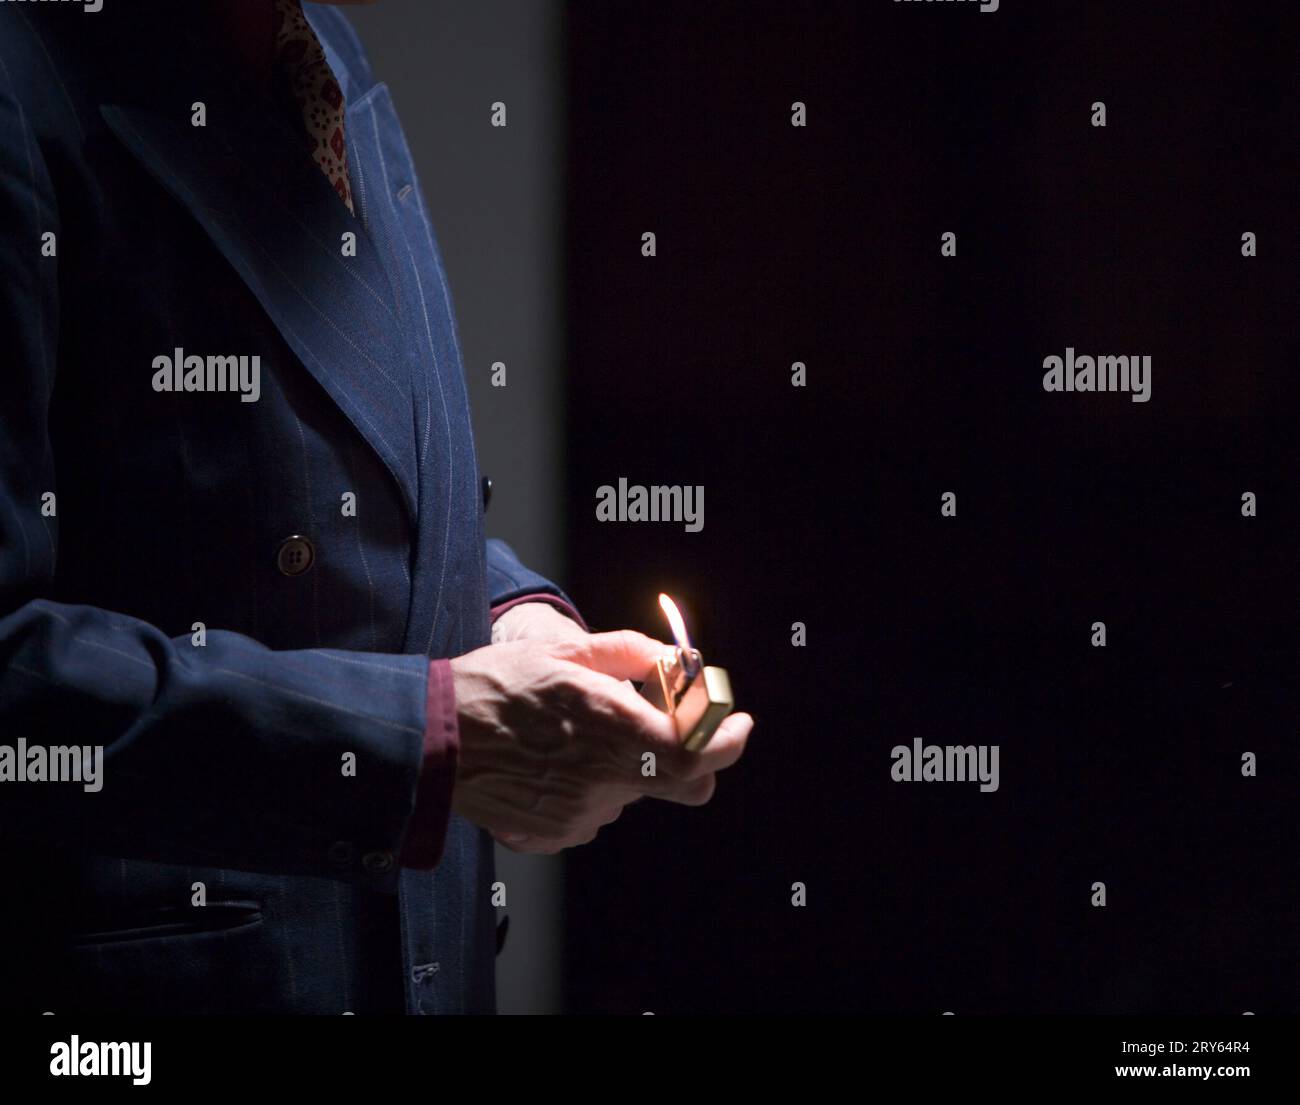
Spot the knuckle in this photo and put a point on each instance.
(573, 649)
(604, 712)
(625, 639)
(564, 688)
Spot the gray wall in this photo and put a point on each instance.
(495, 195)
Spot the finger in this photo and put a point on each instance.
(675, 768)
(652, 725)
(723, 750)
(514, 842)
(620, 654)
(696, 792)
(545, 842)
(544, 846)
(728, 743)
(535, 846)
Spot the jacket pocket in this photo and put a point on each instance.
(171, 921)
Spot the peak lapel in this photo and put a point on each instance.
(246, 180)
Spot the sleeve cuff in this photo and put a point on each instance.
(426, 833)
(552, 600)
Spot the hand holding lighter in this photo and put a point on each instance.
(696, 697)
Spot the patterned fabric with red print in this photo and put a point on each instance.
(300, 56)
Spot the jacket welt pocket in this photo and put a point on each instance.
(176, 921)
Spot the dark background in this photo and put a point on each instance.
(821, 244)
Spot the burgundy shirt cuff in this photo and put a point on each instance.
(426, 833)
(559, 604)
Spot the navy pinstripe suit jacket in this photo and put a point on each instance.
(128, 515)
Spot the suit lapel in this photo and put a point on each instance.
(246, 180)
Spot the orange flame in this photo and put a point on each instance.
(675, 623)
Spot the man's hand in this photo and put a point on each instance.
(553, 740)
(535, 621)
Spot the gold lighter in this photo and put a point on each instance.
(696, 697)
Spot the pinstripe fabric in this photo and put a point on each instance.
(223, 770)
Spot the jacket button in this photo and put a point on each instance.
(295, 556)
(341, 855)
(376, 863)
(487, 492)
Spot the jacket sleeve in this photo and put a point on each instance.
(230, 754)
(509, 582)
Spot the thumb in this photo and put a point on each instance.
(621, 654)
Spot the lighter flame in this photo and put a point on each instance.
(675, 623)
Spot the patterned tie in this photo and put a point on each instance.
(301, 57)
